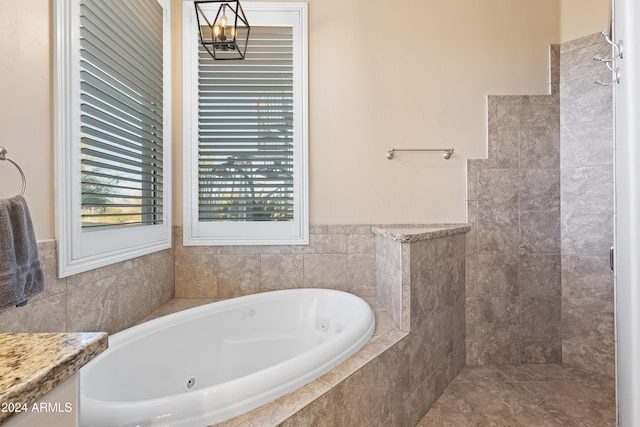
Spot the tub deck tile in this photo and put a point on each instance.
(278, 411)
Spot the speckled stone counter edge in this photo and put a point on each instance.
(31, 365)
(417, 233)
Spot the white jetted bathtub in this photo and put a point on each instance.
(210, 363)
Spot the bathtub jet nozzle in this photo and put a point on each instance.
(191, 383)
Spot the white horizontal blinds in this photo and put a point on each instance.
(121, 112)
(246, 148)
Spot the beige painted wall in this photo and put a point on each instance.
(579, 18)
(26, 115)
(373, 86)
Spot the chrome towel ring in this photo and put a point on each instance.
(3, 156)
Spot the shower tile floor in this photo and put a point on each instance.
(524, 395)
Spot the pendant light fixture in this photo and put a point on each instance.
(223, 28)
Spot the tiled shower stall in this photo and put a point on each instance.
(586, 204)
(539, 284)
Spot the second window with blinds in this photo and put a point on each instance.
(245, 139)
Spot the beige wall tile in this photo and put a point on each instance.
(325, 270)
(196, 274)
(326, 244)
(281, 271)
(363, 243)
(238, 275)
(93, 307)
(361, 273)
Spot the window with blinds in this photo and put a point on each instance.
(245, 140)
(112, 74)
(121, 95)
(245, 131)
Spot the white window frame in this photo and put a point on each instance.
(79, 250)
(295, 232)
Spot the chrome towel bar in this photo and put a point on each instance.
(446, 152)
(3, 156)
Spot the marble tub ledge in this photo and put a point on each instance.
(420, 232)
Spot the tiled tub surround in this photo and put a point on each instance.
(586, 173)
(115, 297)
(409, 261)
(396, 377)
(339, 257)
(393, 380)
(107, 299)
(399, 386)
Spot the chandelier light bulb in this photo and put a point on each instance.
(223, 18)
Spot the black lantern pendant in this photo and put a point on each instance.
(227, 35)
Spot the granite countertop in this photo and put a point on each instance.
(33, 364)
(420, 232)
